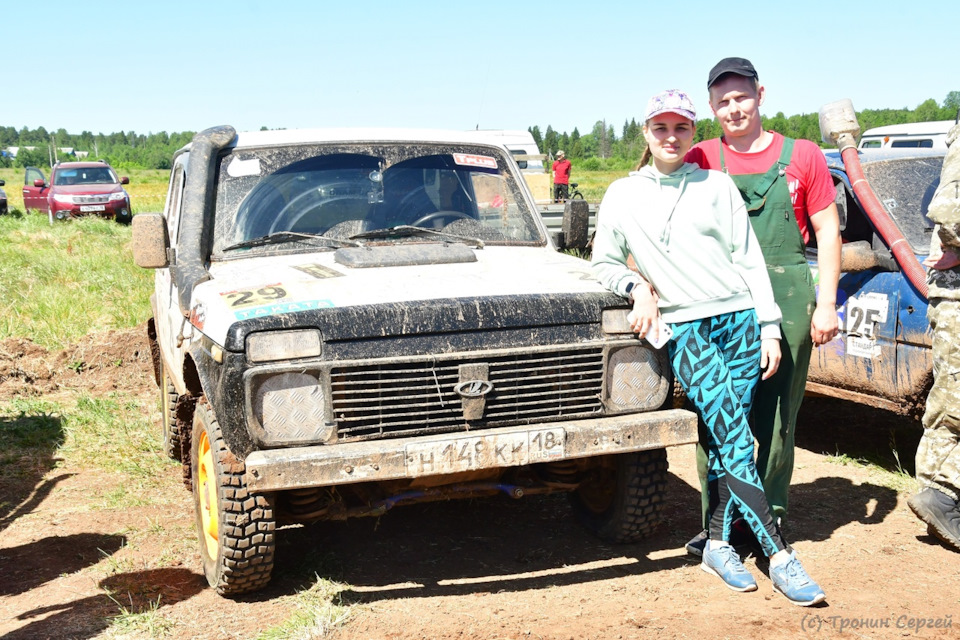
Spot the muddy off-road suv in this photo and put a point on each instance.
(347, 321)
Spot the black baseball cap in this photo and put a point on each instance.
(739, 66)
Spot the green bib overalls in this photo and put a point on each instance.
(778, 399)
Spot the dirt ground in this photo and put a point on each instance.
(490, 569)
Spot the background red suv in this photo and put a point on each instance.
(78, 189)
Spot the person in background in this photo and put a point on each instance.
(777, 177)
(938, 455)
(561, 177)
(701, 272)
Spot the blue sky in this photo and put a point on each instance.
(153, 66)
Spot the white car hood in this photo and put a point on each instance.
(270, 286)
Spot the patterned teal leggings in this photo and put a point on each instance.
(717, 361)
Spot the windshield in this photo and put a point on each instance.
(345, 190)
(905, 186)
(85, 175)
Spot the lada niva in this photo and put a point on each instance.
(345, 321)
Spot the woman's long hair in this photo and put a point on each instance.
(645, 158)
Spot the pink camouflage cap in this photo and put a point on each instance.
(671, 101)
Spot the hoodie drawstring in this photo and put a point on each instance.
(667, 226)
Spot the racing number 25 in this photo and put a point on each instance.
(862, 321)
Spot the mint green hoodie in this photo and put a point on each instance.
(691, 238)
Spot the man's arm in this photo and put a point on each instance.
(826, 226)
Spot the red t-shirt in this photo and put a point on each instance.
(561, 171)
(808, 179)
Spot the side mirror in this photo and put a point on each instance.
(124, 180)
(150, 241)
(576, 224)
(2, 182)
(860, 256)
(39, 183)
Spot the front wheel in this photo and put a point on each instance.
(168, 415)
(621, 499)
(236, 527)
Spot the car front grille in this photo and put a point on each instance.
(412, 398)
(102, 199)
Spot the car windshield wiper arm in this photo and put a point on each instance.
(406, 231)
(290, 236)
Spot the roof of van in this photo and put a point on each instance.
(912, 128)
(868, 156)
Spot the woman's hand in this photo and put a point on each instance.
(645, 311)
(769, 356)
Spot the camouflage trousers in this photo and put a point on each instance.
(938, 456)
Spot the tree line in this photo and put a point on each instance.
(125, 149)
(602, 148)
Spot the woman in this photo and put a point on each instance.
(702, 273)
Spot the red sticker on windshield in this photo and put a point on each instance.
(470, 160)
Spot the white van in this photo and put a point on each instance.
(524, 150)
(928, 135)
(519, 143)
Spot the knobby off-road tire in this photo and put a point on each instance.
(236, 528)
(168, 415)
(622, 499)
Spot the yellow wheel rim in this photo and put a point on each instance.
(207, 490)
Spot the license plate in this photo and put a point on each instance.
(472, 452)
(86, 208)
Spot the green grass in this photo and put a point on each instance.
(896, 479)
(318, 611)
(593, 184)
(111, 433)
(140, 622)
(31, 431)
(60, 282)
(115, 434)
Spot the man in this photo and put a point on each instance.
(776, 176)
(561, 177)
(938, 456)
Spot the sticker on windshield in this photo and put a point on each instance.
(239, 168)
(471, 160)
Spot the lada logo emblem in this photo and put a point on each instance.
(473, 388)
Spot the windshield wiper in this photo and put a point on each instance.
(407, 231)
(281, 237)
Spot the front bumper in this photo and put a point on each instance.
(109, 210)
(326, 465)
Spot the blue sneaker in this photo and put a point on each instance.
(793, 582)
(724, 563)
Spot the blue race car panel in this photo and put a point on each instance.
(881, 357)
